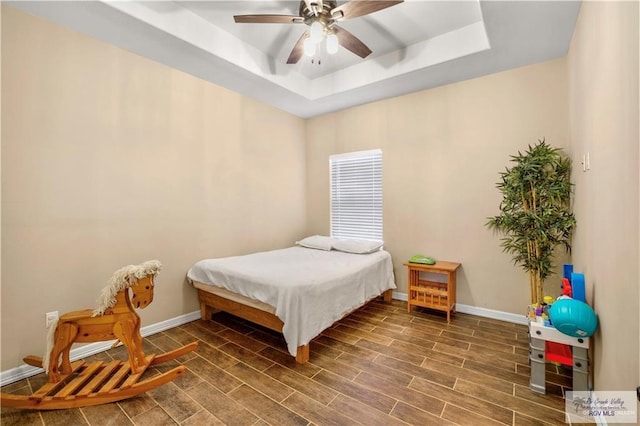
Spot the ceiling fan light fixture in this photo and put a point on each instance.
(332, 44)
(309, 47)
(321, 17)
(316, 31)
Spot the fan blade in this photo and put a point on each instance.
(351, 42)
(268, 19)
(356, 8)
(298, 49)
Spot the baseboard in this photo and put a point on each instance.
(493, 314)
(24, 371)
(481, 312)
(399, 296)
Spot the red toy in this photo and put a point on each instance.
(559, 353)
(566, 288)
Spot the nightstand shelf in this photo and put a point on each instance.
(440, 296)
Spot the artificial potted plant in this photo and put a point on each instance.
(535, 213)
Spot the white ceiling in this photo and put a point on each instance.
(416, 45)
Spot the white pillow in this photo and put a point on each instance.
(357, 246)
(316, 242)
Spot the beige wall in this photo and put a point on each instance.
(442, 152)
(110, 159)
(603, 95)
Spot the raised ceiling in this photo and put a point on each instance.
(416, 45)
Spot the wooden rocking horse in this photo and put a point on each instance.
(81, 384)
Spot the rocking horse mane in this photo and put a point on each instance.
(124, 278)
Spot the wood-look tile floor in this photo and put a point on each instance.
(378, 366)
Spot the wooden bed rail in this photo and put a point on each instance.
(210, 302)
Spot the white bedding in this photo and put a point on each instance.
(309, 289)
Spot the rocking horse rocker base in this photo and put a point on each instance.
(82, 384)
(96, 383)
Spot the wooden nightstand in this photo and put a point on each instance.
(431, 294)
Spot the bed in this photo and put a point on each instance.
(298, 291)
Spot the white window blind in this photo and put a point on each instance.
(356, 195)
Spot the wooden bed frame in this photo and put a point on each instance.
(210, 302)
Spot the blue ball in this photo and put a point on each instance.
(573, 317)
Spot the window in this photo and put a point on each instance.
(356, 195)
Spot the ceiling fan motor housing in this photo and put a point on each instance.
(323, 11)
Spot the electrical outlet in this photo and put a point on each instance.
(50, 317)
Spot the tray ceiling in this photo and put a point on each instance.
(416, 45)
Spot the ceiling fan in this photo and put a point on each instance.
(321, 17)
